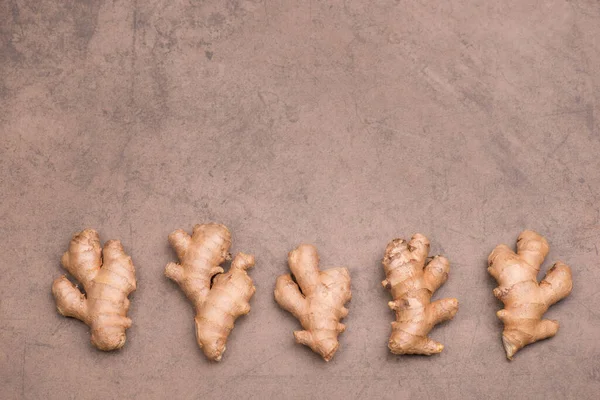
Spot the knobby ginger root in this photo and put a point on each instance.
(526, 301)
(412, 284)
(220, 304)
(318, 303)
(108, 277)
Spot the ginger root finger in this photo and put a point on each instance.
(107, 284)
(411, 285)
(219, 304)
(526, 301)
(317, 301)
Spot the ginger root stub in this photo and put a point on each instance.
(525, 300)
(108, 277)
(317, 301)
(219, 304)
(411, 284)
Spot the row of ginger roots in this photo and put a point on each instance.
(315, 297)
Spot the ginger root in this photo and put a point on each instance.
(319, 301)
(108, 277)
(526, 301)
(412, 284)
(219, 304)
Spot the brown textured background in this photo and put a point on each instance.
(343, 124)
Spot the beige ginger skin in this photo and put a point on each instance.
(525, 300)
(411, 284)
(317, 301)
(108, 277)
(220, 304)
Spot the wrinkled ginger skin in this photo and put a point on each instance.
(411, 285)
(526, 301)
(217, 306)
(317, 301)
(108, 277)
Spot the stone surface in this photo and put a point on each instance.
(343, 124)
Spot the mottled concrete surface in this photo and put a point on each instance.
(343, 124)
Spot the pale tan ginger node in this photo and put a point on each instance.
(317, 300)
(108, 277)
(411, 284)
(526, 301)
(219, 304)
